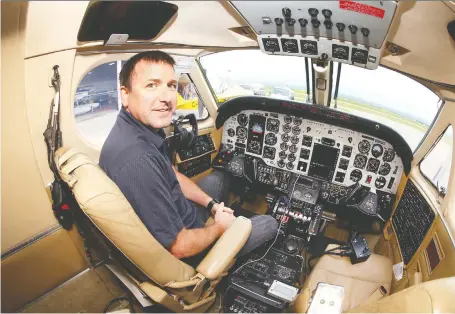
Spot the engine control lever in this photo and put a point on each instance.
(313, 228)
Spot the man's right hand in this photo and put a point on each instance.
(223, 218)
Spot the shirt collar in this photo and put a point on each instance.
(156, 137)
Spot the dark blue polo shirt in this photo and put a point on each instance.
(136, 158)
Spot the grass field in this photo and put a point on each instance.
(348, 105)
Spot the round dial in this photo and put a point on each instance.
(389, 155)
(291, 157)
(293, 149)
(270, 139)
(282, 155)
(297, 194)
(228, 146)
(377, 150)
(269, 152)
(287, 119)
(286, 128)
(241, 133)
(380, 182)
(283, 146)
(285, 137)
(294, 139)
(384, 169)
(364, 146)
(273, 125)
(298, 121)
(231, 132)
(356, 175)
(360, 161)
(290, 165)
(255, 147)
(296, 130)
(373, 165)
(280, 163)
(242, 119)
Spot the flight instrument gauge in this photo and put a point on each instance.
(373, 165)
(364, 146)
(270, 139)
(356, 175)
(377, 150)
(389, 154)
(286, 128)
(241, 133)
(242, 119)
(273, 125)
(269, 152)
(384, 169)
(380, 182)
(360, 161)
(255, 147)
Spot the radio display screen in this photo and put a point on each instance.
(323, 162)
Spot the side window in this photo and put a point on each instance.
(97, 101)
(437, 164)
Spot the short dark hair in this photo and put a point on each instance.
(154, 56)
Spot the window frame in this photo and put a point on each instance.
(440, 136)
(198, 96)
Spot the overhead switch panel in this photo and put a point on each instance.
(339, 29)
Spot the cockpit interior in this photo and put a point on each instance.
(333, 117)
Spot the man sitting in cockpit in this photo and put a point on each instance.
(135, 157)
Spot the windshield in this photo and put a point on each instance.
(381, 95)
(281, 91)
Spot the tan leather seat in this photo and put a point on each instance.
(435, 296)
(168, 281)
(359, 281)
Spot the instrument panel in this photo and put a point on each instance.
(315, 149)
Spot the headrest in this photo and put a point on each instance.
(105, 205)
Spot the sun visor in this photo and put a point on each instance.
(342, 31)
(125, 20)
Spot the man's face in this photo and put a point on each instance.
(152, 98)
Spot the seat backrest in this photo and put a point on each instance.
(105, 205)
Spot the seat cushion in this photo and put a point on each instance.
(359, 280)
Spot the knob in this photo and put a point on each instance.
(313, 12)
(327, 13)
(328, 24)
(290, 21)
(341, 26)
(353, 29)
(303, 22)
(279, 21)
(286, 12)
(324, 57)
(365, 31)
(316, 23)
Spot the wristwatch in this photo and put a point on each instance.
(211, 203)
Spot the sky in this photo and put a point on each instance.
(381, 86)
